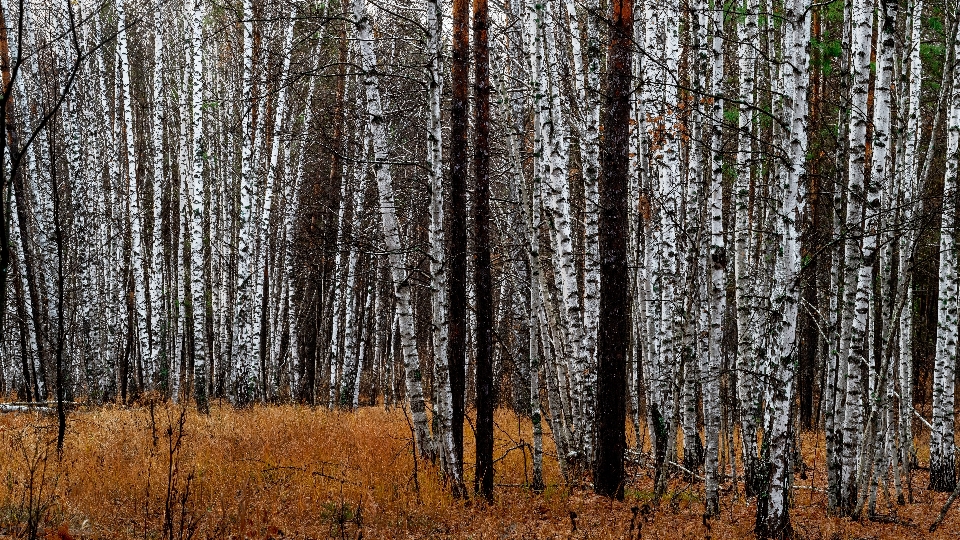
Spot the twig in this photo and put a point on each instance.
(946, 508)
(672, 463)
(922, 419)
(416, 460)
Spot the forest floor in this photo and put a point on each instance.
(295, 472)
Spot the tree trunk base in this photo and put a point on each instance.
(943, 477)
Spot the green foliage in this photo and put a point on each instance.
(933, 57)
(732, 115)
(833, 12)
(765, 120)
(729, 170)
(556, 492)
(830, 131)
(825, 50)
(740, 13)
(931, 52)
(638, 495)
(936, 25)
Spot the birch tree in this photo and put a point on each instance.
(942, 448)
(391, 230)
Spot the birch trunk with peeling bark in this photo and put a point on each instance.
(438, 259)
(858, 258)
(942, 447)
(391, 228)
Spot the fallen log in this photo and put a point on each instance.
(22, 408)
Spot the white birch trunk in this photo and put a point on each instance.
(438, 272)
(532, 215)
(339, 293)
(138, 259)
(586, 84)
(352, 319)
(556, 135)
(195, 192)
(361, 353)
(881, 206)
(858, 259)
(244, 349)
(718, 275)
(786, 274)
(391, 229)
(160, 321)
(743, 235)
(942, 449)
(669, 181)
(262, 255)
(910, 165)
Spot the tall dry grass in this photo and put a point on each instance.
(159, 471)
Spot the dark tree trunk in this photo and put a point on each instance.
(457, 255)
(614, 323)
(31, 390)
(482, 280)
(265, 386)
(60, 241)
(809, 335)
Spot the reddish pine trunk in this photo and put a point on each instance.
(457, 256)
(481, 206)
(614, 323)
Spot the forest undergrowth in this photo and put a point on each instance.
(161, 471)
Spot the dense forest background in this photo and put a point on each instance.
(715, 225)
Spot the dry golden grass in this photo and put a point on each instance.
(295, 472)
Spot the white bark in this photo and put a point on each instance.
(262, 254)
(881, 177)
(858, 259)
(718, 274)
(160, 331)
(201, 350)
(138, 259)
(743, 235)
(362, 352)
(391, 229)
(438, 274)
(795, 77)
(942, 448)
(244, 348)
(586, 84)
(670, 218)
(290, 210)
(352, 319)
(340, 292)
(558, 186)
(909, 164)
